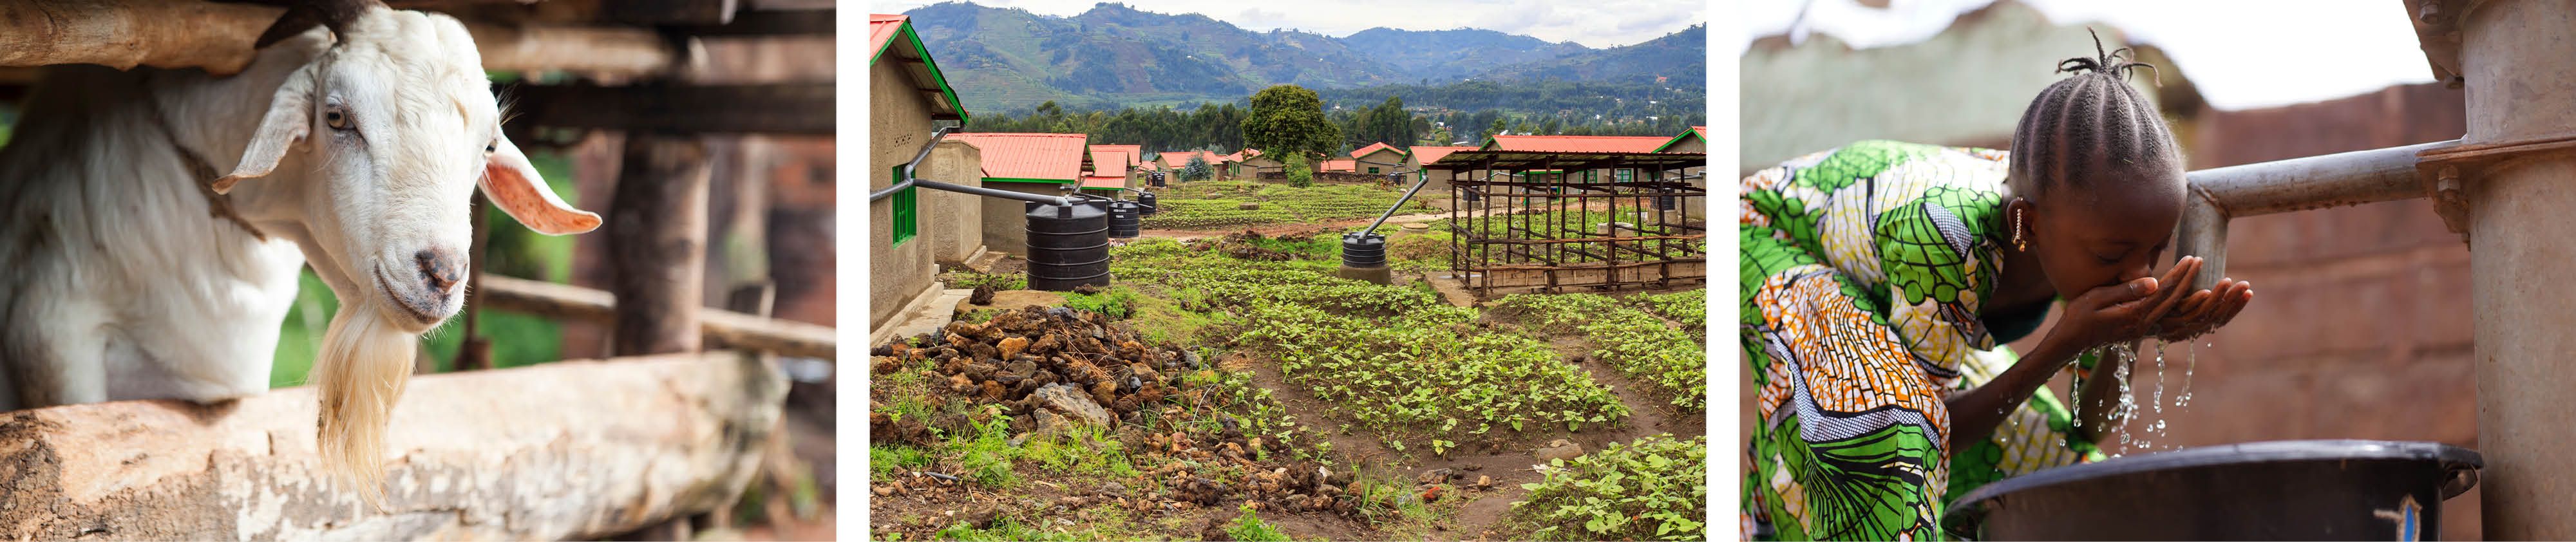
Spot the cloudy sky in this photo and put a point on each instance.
(2241, 54)
(1593, 23)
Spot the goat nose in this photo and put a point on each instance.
(441, 269)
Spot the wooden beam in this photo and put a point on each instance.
(127, 33)
(662, 12)
(765, 23)
(732, 329)
(561, 451)
(776, 108)
(217, 37)
(592, 51)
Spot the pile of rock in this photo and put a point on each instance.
(1049, 365)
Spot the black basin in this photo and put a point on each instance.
(2282, 490)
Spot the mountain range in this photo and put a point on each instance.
(1115, 56)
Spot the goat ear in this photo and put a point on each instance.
(289, 119)
(511, 183)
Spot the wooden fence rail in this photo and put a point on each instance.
(569, 450)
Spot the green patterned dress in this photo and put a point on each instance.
(1863, 270)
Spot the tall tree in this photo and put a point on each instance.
(1289, 118)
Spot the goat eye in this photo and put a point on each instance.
(339, 120)
(488, 147)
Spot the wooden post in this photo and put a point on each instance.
(657, 246)
(475, 352)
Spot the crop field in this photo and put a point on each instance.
(1210, 205)
(1234, 387)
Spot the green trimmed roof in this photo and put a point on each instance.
(895, 33)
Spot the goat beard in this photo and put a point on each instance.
(361, 370)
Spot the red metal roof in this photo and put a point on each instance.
(1561, 143)
(1434, 154)
(1373, 147)
(882, 29)
(1178, 159)
(1112, 160)
(1342, 165)
(1093, 181)
(1054, 157)
(1135, 153)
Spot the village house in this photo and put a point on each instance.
(1041, 164)
(1108, 170)
(1178, 161)
(1418, 156)
(914, 230)
(1379, 159)
(1251, 164)
(1135, 157)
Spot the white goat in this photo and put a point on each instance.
(128, 270)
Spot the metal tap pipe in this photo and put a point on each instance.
(906, 181)
(2333, 180)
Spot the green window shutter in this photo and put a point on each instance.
(1372, 171)
(1592, 175)
(1627, 175)
(906, 214)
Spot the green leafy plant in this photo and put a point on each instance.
(1639, 343)
(1652, 489)
(1249, 528)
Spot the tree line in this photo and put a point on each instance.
(1468, 113)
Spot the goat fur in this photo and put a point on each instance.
(123, 282)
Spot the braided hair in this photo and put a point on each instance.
(2092, 125)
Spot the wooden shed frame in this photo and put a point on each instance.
(1522, 221)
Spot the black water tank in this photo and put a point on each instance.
(2281, 490)
(1665, 203)
(1363, 249)
(1068, 247)
(1122, 219)
(1146, 201)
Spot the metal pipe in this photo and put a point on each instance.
(2298, 184)
(1399, 205)
(2352, 178)
(908, 167)
(992, 193)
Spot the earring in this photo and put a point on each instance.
(2019, 242)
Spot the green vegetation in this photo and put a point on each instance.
(1249, 528)
(1117, 302)
(1639, 343)
(1219, 204)
(1689, 308)
(970, 279)
(1197, 170)
(1299, 170)
(1338, 201)
(1197, 214)
(1651, 489)
(1394, 357)
(1290, 119)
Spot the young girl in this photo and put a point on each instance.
(1880, 280)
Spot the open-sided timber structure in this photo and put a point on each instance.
(1521, 221)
